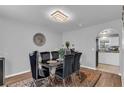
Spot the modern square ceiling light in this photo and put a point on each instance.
(59, 16)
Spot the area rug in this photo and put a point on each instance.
(86, 78)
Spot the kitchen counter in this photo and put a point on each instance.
(111, 58)
(108, 51)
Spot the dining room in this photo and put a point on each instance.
(55, 45)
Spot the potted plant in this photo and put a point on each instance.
(67, 44)
(61, 53)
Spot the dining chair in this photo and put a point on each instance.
(35, 69)
(45, 56)
(55, 55)
(72, 51)
(76, 65)
(66, 71)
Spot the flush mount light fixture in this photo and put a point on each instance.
(59, 16)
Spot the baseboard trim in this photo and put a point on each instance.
(8, 76)
(88, 67)
(122, 82)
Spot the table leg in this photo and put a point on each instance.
(52, 75)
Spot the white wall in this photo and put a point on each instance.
(17, 42)
(85, 40)
(1, 46)
(122, 54)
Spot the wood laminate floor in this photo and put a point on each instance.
(108, 68)
(106, 79)
(109, 80)
(17, 78)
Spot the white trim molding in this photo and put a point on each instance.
(88, 67)
(7, 76)
(122, 80)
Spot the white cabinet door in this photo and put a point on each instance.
(109, 58)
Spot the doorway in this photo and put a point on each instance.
(107, 51)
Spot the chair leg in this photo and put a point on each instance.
(78, 73)
(35, 84)
(34, 81)
(64, 82)
(80, 77)
(49, 81)
(74, 76)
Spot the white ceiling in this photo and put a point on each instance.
(82, 15)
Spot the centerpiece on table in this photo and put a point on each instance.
(67, 44)
(67, 50)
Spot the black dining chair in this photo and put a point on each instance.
(55, 55)
(35, 69)
(45, 56)
(72, 51)
(76, 65)
(66, 71)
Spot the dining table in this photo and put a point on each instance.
(52, 65)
